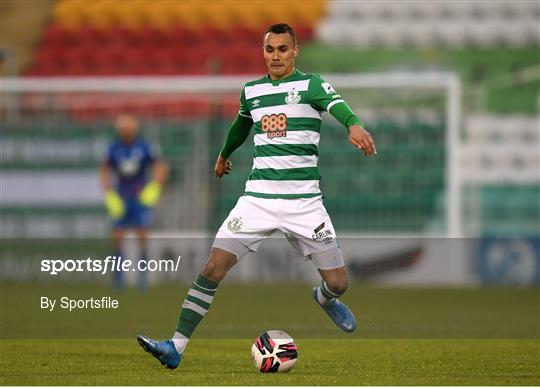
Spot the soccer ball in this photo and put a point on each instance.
(274, 351)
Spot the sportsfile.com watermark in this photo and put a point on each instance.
(108, 264)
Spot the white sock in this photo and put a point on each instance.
(322, 299)
(180, 342)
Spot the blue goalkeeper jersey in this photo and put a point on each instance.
(131, 163)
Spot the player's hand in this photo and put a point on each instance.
(223, 166)
(114, 204)
(362, 139)
(149, 195)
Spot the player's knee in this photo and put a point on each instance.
(218, 265)
(338, 282)
(339, 287)
(212, 271)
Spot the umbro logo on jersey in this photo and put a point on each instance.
(255, 103)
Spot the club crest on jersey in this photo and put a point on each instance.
(130, 164)
(293, 97)
(274, 125)
(235, 224)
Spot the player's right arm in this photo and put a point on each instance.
(238, 133)
(113, 202)
(105, 177)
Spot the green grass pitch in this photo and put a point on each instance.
(408, 336)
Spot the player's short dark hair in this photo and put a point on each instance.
(282, 28)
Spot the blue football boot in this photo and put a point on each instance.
(338, 312)
(164, 351)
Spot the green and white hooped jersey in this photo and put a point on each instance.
(287, 121)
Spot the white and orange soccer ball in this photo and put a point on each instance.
(274, 351)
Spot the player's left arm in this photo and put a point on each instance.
(325, 98)
(150, 194)
(358, 135)
(160, 171)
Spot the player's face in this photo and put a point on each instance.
(280, 52)
(127, 127)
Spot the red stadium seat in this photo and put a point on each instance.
(48, 54)
(193, 61)
(92, 36)
(183, 37)
(229, 106)
(242, 61)
(149, 50)
(151, 36)
(75, 69)
(215, 37)
(121, 35)
(304, 33)
(243, 35)
(60, 36)
(110, 38)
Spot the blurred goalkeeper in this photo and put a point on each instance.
(132, 177)
(282, 192)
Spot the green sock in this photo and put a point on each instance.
(196, 305)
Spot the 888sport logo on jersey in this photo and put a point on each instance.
(274, 125)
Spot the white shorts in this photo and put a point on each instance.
(304, 221)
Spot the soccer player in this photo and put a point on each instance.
(132, 177)
(282, 192)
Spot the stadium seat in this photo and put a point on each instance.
(246, 35)
(110, 38)
(452, 23)
(192, 27)
(58, 35)
(241, 60)
(69, 13)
